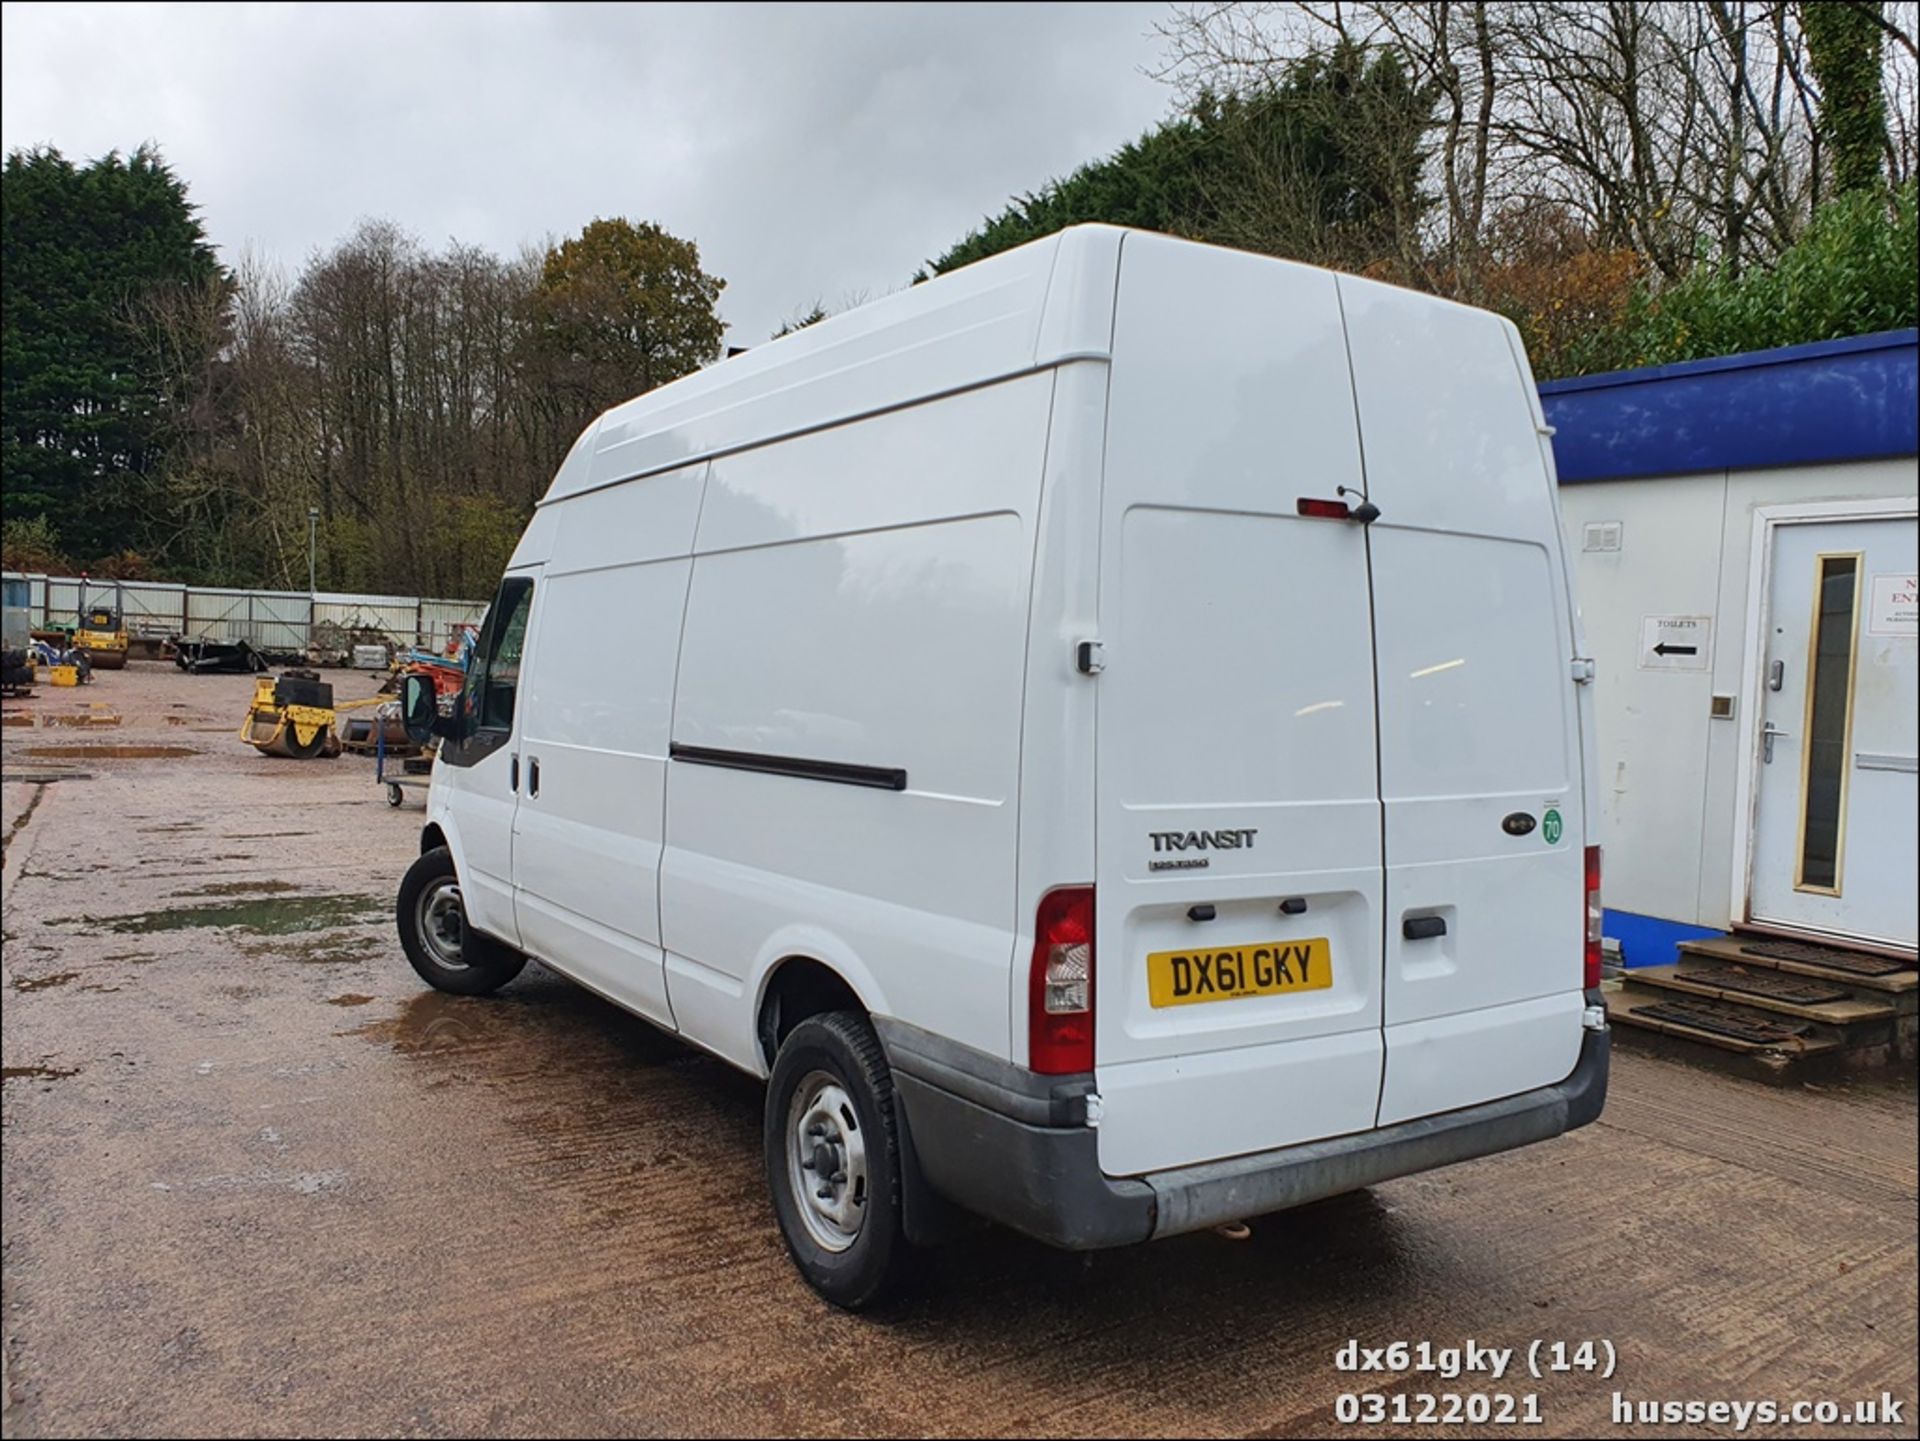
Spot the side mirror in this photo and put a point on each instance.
(419, 707)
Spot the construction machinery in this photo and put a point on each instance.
(17, 674)
(294, 715)
(103, 636)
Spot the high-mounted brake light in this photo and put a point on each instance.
(1323, 509)
(1060, 994)
(1591, 976)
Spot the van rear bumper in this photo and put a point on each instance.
(1015, 1148)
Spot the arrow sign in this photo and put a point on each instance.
(1676, 642)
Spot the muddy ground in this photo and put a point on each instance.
(257, 1180)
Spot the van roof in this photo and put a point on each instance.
(1025, 309)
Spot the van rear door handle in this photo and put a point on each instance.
(1423, 928)
(513, 773)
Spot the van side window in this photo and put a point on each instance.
(494, 678)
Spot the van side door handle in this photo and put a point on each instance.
(1423, 928)
(513, 773)
(533, 775)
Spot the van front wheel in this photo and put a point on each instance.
(447, 953)
(833, 1160)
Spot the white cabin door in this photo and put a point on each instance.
(1835, 786)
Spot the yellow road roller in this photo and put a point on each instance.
(294, 715)
(103, 636)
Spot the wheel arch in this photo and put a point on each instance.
(804, 975)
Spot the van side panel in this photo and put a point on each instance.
(1237, 769)
(979, 324)
(1477, 709)
(859, 599)
(587, 846)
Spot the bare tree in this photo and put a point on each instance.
(1674, 129)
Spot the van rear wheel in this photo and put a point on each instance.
(447, 953)
(833, 1160)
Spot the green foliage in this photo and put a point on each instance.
(626, 307)
(1852, 273)
(31, 543)
(801, 319)
(484, 530)
(1843, 49)
(1322, 166)
(83, 403)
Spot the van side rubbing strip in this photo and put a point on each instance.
(881, 778)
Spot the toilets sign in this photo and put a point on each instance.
(1676, 642)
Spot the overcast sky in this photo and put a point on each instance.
(812, 151)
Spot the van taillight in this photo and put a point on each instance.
(1594, 913)
(1060, 997)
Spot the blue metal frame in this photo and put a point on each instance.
(1648, 940)
(1833, 400)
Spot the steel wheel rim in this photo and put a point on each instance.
(827, 1161)
(442, 924)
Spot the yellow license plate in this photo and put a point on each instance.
(1229, 973)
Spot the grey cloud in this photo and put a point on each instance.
(812, 151)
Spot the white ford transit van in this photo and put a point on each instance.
(1104, 732)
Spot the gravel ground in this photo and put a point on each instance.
(258, 1180)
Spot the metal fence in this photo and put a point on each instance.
(269, 619)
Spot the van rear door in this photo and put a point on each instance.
(1238, 817)
(1479, 738)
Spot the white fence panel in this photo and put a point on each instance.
(397, 617)
(150, 609)
(440, 618)
(271, 619)
(62, 601)
(280, 619)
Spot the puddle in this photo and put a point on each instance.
(433, 1022)
(316, 950)
(36, 1073)
(112, 753)
(242, 888)
(348, 1000)
(45, 983)
(267, 835)
(266, 917)
(169, 827)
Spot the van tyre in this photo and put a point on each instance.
(447, 953)
(833, 1160)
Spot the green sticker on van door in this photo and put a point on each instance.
(1550, 826)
